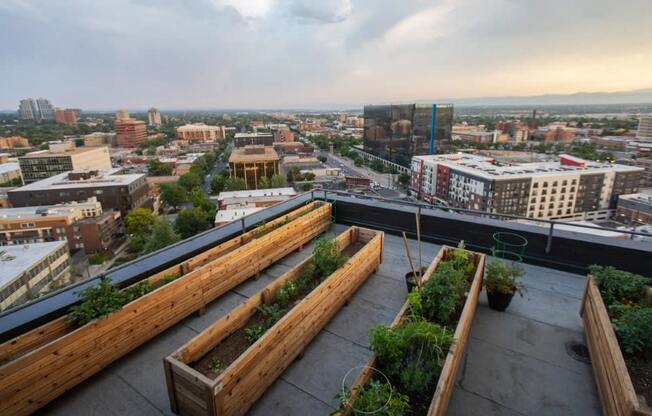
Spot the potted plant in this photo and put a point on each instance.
(501, 283)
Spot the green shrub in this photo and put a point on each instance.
(442, 293)
(617, 286)
(287, 293)
(503, 278)
(633, 326)
(98, 301)
(169, 278)
(462, 259)
(137, 290)
(411, 355)
(327, 256)
(377, 398)
(254, 332)
(97, 258)
(216, 364)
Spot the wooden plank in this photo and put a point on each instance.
(33, 339)
(70, 354)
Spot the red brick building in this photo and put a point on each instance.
(130, 132)
(65, 117)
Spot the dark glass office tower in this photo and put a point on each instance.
(398, 132)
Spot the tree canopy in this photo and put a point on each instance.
(139, 221)
(173, 195)
(162, 235)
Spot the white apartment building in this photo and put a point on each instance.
(567, 189)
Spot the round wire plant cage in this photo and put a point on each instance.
(510, 246)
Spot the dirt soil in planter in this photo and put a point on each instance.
(237, 343)
(640, 371)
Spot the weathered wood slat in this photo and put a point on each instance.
(31, 380)
(615, 387)
(237, 388)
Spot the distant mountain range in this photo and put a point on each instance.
(642, 96)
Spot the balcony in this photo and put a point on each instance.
(521, 362)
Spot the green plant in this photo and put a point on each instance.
(327, 256)
(617, 286)
(503, 278)
(97, 301)
(169, 278)
(633, 326)
(136, 291)
(286, 293)
(376, 398)
(411, 355)
(254, 332)
(442, 293)
(216, 364)
(272, 313)
(97, 258)
(462, 259)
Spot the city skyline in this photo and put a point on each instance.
(298, 54)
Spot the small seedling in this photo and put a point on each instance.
(215, 364)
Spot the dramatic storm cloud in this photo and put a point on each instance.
(310, 53)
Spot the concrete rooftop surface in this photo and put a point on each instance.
(516, 362)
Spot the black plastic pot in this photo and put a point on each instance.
(499, 301)
(411, 279)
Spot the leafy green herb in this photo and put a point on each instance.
(503, 278)
(327, 256)
(254, 332)
(377, 398)
(617, 286)
(633, 326)
(98, 301)
(216, 364)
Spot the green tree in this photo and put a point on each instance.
(157, 168)
(191, 221)
(139, 221)
(323, 159)
(200, 200)
(294, 174)
(264, 183)
(217, 184)
(173, 195)
(278, 181)
(308, 176)
(161, 235)
(190, 180)
(235, 184)
(404, 178)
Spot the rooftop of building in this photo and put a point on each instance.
(9, 167)
(253, 134)
(25, 213)
(228, 215)
(517, 362)
(70, 152)
(484, 167)
(253, 154)
(643, 197)
(16, 259)
(99, 178)
(252, 193)
(194, 126)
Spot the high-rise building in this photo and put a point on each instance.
(66, 116)
(568, 189)
(45, 109)
(46, 163)
(154, 117)
(200, 132)
(398, 132)
(27, 110)
(644, 128)
(121, 114)
(130, 132)
(252, 163)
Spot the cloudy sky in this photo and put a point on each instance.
(176, 54)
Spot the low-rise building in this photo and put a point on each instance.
(225, 216)
(10, 174)
(567, 189)
(99, 138)
(121, 192)
(283, 135)
(252, 163)
(13, 142)
(200, 132)
(62, 222)
(62, 157)
(29, 270)
(635, 208)
(255, 198)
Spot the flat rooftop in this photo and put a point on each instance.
(253, 154)
(105, 177)
(74, 151)
(16, 259)
(516, 362)
(252, 134)
(9, 167)
(46, 210)
(253, 193)
(483, 166)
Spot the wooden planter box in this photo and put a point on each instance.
(616, 390)
(448, 375)
(40, 371)
(246, 379)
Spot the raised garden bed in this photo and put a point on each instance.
(373, 375)
(44, 363)
(623, 370)
(220, 372)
